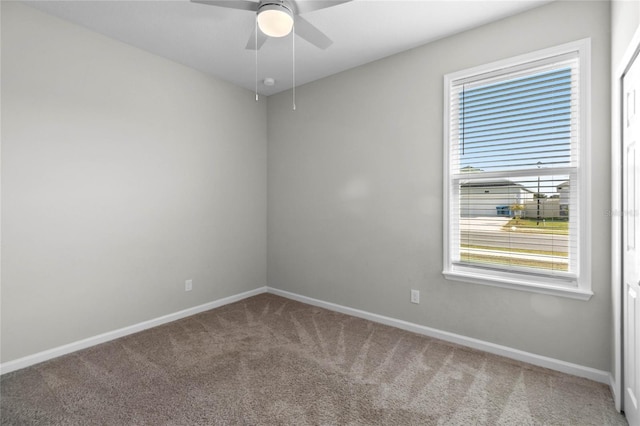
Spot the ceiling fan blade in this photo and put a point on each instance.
(304, 6)
(231, 4)
(307, 31)
(251, 43)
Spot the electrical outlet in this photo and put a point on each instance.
(415, 296)
(188, 285)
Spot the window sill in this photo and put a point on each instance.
(532, 286)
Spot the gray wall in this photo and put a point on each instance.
(355, 191)
(625, 19)
(123, 174)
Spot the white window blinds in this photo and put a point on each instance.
(514, 168)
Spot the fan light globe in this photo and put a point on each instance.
(275, 20)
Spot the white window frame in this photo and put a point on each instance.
(578, 286)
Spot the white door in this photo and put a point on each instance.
(631, 242)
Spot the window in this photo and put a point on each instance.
(516, 210)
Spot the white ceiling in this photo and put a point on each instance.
(212, 39)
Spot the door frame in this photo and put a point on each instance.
(616, 213)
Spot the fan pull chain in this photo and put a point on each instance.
(256, 47)
(294, 65)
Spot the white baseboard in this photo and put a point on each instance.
(29, 360)
(539, 360)
(613, 385)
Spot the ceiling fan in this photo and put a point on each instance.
(275, 18)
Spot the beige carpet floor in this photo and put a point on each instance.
(267, 360)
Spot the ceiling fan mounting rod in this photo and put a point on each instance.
(277, 3)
